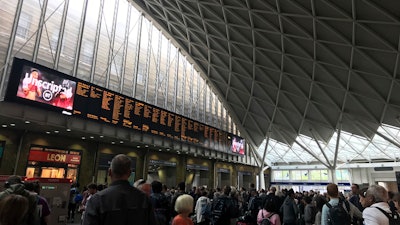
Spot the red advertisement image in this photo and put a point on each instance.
(238, 145)
(46, 88)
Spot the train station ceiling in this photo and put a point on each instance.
(317, 81)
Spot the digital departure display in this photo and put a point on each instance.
(37, 85)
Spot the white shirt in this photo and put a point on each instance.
(372, 215)
(201, 202)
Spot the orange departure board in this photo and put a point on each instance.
(40, 86)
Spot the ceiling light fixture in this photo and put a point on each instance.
(101, 136)
(12, 124)
(113, 142)
(121, 142)
(56, 131)
(27, 121)
(66, 113)
(91, 137)
(68, 130)
(4, 125)
(83, 138)
(47, 132)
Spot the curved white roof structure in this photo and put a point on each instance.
(316, 81)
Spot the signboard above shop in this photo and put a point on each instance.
(43, 87)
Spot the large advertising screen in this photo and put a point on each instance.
(40, 86)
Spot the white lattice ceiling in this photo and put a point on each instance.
(292, 68)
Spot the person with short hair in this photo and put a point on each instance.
(184, 207)
(333, 193)
(120, 203)
(364, 201)
(44, 210)
(320, 201)
(201, 203)
(378, 195)
(160, 203)
(14, 185)
(289, 209)
(13, 209)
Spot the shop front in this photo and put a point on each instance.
(223, 177)
(163, 171)
(104, 165)
(49, 162)
(197, 175)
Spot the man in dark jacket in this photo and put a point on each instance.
(120, 203)
(289, 209)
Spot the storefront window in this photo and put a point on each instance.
(45, 162)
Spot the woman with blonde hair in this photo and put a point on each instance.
(184, 207)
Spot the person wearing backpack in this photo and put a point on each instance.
(160, 203)
(268, 215)
(379, 213)
(222, 208)
(337, 211)
(203, 209)
(15, 186)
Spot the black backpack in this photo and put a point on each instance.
(219, 209)
(394, 217)
(338, 215)
(266, 220)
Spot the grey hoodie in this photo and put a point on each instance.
(289, 211)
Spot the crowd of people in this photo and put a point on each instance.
(155, 204)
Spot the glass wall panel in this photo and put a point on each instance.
(187, 90)
(7, 11)
(118, 48)
(181, 83)
(70, 39)
(142, 73)
(130, 66)
(342, 175)
(162, 76)
(50, 31)
(153, 65)
(201, 99)
(173, 63)
(88, 40)
(104, 44)
(27, 27)
(195, 93)
(281, 175)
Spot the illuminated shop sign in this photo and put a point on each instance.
(40, 86)
(44, 156)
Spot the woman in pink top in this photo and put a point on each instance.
(269, 211)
